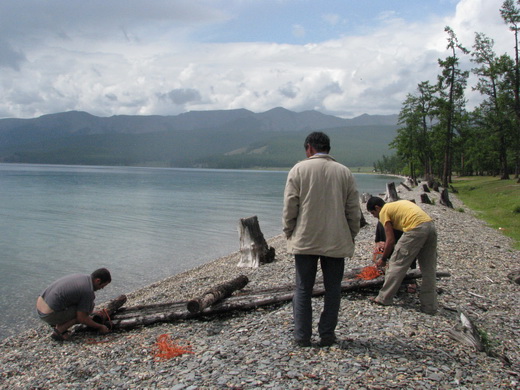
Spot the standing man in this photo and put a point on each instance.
(70, 300)
(419, 240)
(320, 220)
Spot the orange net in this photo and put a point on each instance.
(165, 348)
(370, 272)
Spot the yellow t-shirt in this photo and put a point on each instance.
(403, 214)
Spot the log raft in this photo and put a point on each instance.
(144, 315)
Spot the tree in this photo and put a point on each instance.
(492, 83)
(413, 143)
(451, 102)
(511, 15)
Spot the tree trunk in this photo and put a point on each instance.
(391, 193)
(253, 247)
(445, 198)
(216, 294)
(425, 199)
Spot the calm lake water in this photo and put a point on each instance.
(144, 224)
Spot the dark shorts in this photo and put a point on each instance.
(58, 317)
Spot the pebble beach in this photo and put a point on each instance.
(394, 347)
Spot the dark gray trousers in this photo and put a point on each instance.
(306, 269)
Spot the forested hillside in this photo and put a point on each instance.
(212, 139)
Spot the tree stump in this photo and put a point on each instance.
(365, 197)
(391, 193)
(362, 221)
(445, 198)
(253, 247)
(425, 199)
(514, 276)
(425, 188)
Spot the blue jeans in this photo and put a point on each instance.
(306, 269)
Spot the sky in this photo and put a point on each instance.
(166, 57)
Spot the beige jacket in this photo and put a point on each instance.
(321, 210)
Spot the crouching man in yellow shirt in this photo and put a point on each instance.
(419, 240)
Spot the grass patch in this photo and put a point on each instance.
(495, 201)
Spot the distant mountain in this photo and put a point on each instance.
(219, 139)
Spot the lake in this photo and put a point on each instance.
(144, 224)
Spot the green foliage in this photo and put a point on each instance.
(493, 199)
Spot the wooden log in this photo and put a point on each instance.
(405, 186)
(102, 315)
(391, 192)
(217, 293)
(253, 247)
(445, 198)
(425, 199)
(128, 318)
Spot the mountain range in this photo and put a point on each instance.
(211, 139)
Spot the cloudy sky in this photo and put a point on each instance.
(165, 57)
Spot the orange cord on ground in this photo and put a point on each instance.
(166, 349)
(368, 273)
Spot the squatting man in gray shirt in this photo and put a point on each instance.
(70, 300)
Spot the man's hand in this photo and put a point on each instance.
(103, 329)
(381, 263)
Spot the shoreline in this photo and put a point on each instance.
(380, 347)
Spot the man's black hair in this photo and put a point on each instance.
(373, 202)
(319, 141)
(103, 274)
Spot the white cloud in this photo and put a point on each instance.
(111, 59)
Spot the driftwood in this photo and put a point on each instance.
(253, 247)
(391, 192)
(144, 315)
(425, 199)
(101, 316)
(216, 294)
(405, 186)
(445, 198)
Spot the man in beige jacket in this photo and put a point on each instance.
(320, 220)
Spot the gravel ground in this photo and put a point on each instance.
(379, 347)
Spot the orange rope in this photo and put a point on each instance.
(370, 272)
(165, 348)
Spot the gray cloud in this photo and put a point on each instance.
(10, 58)
(183, 95)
